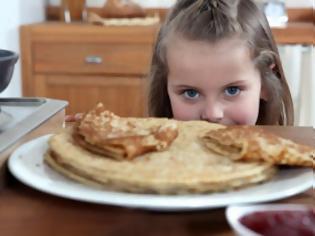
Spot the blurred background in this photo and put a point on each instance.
(297, 53)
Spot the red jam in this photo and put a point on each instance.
(287, 222)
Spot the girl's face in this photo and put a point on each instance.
(214, 82)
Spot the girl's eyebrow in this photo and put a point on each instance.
(234, 83)
(237, 82)
(182, 86)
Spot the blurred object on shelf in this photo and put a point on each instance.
(122, 9)
(276, 12)
(95, 19)
(73, 10)
(294, 14)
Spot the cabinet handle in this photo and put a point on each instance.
(93, 60)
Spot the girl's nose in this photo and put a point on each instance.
(212, 113)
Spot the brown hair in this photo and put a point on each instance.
(213, 20)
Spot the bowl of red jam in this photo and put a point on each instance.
(272, 220)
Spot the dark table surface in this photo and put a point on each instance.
(26, 211)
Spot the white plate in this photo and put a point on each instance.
(26, 164)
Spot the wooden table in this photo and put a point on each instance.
(25, 211)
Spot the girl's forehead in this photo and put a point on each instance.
(226, 60)
(182, 50)
(176, 41)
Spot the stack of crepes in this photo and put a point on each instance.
(165, 156)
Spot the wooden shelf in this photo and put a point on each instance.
(299, 30)
(295, 33)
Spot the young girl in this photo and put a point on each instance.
(216, 60)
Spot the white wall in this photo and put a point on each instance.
(14, 13)
(297, 61)
(299, 3)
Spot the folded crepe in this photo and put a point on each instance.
(103, 132)
(245, 143)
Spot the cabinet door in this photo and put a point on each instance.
(125, 96)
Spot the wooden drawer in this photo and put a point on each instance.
(92, 58)
(125, 96)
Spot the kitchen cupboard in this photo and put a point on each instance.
(85, 64)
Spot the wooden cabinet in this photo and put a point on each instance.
(86, 64)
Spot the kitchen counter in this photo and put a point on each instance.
(26, 211)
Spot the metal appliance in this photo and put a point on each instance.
(19, 116)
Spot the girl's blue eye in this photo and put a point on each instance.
(191, 93)
(232, 91)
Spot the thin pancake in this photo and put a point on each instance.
(254, 144)
(187, 166)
